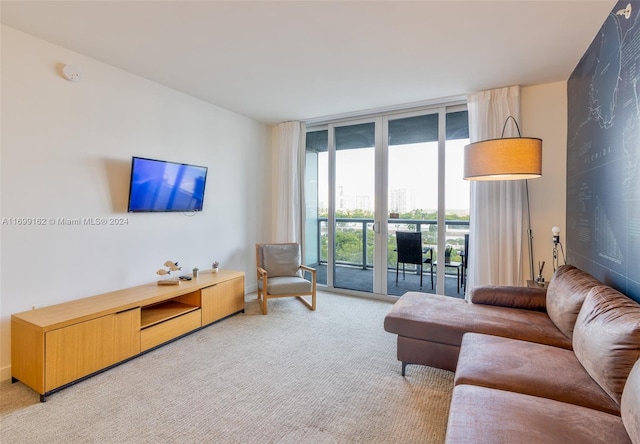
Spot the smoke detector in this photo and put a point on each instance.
(71, 73)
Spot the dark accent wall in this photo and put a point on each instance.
(603, 154)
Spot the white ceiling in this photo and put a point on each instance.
(297, 60)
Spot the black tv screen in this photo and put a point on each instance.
(161, 186)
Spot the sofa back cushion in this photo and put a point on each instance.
(606, 339)
(565, 295)
(630, 408)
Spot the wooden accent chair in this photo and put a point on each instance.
(281, 274)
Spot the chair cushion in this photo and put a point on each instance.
(606, 339)
(565, 295)
(281, 259)
(631, 404)
(286, 285)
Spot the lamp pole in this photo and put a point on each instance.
(529, 231)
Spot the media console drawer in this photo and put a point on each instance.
(170, 329)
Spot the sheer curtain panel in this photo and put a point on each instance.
(286, 186)
(497, 208)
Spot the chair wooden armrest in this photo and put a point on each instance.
(313, 276)
(309, 269)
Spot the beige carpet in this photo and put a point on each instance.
(293, 376)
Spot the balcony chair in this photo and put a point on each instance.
(281, 274)
(465, 261)
(410, 251)
(459, 266)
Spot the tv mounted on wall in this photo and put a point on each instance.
(162, 186)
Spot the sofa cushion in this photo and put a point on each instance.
(529, 368)
(606, 338)
(565, 295)
(481, 415)
(509, 296)
(443, 319)
(631, 404)
(281, 259)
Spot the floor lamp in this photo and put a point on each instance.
(507, 158)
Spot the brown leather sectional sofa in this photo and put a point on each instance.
(532, 365)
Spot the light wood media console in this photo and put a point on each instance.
(55, 346)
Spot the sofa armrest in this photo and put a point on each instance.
(510, 296)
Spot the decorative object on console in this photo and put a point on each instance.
(173, 266)
(195, 272)
(507, 158)
(556, 242)
(168, 280)
(214, 266)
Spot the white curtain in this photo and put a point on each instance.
(497, 208)
(286, 187)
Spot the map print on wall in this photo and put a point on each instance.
(603, 154)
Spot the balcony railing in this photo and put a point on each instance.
(455, 231)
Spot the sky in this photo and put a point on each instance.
(412, 167)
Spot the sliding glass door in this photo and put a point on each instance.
(354, 204)
(412, 167)
(340, 190)
(368, 179)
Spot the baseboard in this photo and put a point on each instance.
(5, 373)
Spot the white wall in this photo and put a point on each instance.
(544, 115)
(66, 153)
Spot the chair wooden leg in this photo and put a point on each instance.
(310, 305)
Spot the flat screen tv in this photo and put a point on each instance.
(161, 186)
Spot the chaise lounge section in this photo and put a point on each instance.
(430, 327)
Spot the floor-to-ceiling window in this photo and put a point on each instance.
(369, 178)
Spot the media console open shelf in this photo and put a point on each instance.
(55, 346)
(164, 311)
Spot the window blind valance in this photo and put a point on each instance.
(418, 129)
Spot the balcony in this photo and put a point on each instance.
(354, 255)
